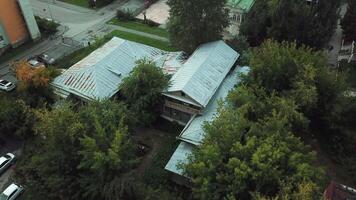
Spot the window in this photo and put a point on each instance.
(1, 38)
(4, 163)
(12, 194)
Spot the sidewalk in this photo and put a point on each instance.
(69, 6)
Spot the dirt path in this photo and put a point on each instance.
(151, 138)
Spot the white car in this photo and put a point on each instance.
(34, 63)
(11, 192)
(6, 85)
(6, 161)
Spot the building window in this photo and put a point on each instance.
(182, 94)
(1, 38)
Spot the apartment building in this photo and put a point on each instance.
(17, 24)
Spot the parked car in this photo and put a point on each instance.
(46, 59)
(11, 192)
(6, 161)
(35, 63)
(6, 85)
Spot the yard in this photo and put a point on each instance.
(78, 55)
(139, 26)
(144, 40)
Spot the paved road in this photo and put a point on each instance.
(336, 39)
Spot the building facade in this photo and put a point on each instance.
(17, 23)
(196, 82)
(237, 11)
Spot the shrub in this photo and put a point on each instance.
(98, 3)
(46, 26)
(150, 23)
(124, 15)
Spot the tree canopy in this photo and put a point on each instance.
(311, 24)
(142, 90)
(250, 148)
(33, 85)
(193, 22)
(79, 154)
(16, 118)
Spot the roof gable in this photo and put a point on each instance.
(99, 75)
(204, 71)
(193, 132)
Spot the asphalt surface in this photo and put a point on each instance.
(9, 145)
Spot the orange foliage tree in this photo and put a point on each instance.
(31, 76)
(33, 86)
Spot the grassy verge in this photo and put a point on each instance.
(82, 3)
(76, 56)
(139, 26)
(144, 40)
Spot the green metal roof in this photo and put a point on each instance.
(245, 5)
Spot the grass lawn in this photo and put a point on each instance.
(79, 54)
(144, 40)
(82, 3)
(139, 26)
(76, 56)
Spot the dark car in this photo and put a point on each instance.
(46, 59)
(141, 149)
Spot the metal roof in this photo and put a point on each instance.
(245, 5)
(99, 75)
(203, 72)
(193, 134)
(180, 156)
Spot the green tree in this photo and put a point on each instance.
(194, 22)
(106, 151)
(142, 91)
(49, 164)
(302, 75)
(15, 117)
(309, 24)
(245, 152)
(80, 153)
(297, 73)
(239, 43)
(348, 23)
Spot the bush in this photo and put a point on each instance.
(46, 26)
(124, 15)
(150, 23)
(16, 118)
(98, 3)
